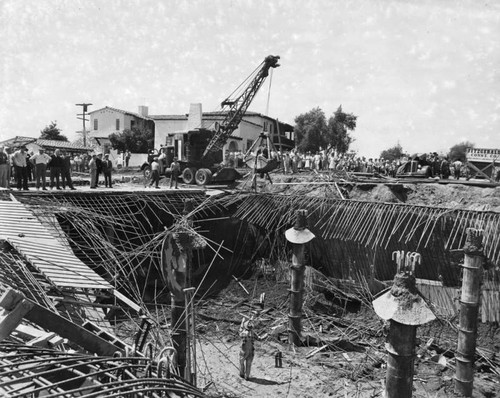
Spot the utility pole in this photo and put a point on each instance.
(83, 118)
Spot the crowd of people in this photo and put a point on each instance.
(19, 167)
(295, 161)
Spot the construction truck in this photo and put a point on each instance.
(200, 150)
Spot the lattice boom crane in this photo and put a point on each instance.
(235, 108)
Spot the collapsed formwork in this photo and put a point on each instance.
(355, 241)
(120, 235)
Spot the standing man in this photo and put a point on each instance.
(66, 172)
(247, 335)
(107, 167)
(457, 166)
(4, 168)
(445, 169)
(155, 172)
(93, 172)
(175, 168)
(55, 165)
(40, 161)
(127, 158)
(98, 162)
(20, 168)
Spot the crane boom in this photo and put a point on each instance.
(236, 108)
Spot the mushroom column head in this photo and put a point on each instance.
(299, 234)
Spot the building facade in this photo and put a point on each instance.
(170, 129)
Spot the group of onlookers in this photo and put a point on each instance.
(294, 161)
(18, 167)
(439, 166)
(23, 167)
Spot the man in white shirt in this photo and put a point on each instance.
(40, 161)
(20, 169)
(457, 166)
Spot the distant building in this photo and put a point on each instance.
(248, 131)
(108, 120)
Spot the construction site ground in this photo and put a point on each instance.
(344, 354)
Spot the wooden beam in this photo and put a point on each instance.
(14, 307)
(75, 333)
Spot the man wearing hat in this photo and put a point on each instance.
(55, 165)
(20, 169)
(107, 167)
(4, 168)
(40, 161)
(247, 351)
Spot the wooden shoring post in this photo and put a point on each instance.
(469, 309)
(299, 235)
(190, 370)
(405, 310)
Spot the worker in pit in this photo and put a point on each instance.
(175, 170)
(155, 172)
(248, 336)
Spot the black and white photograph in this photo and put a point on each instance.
(250, 198)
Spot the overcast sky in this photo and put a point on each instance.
(424, 73)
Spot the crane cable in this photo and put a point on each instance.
(269, 91)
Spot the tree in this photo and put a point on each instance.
(339, 126)
(458, 151)
(310, 130)
(134, 140)
(394, 153)
(314, 132)
(52, 132)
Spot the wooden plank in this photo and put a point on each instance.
(14, 307)
(73, 332)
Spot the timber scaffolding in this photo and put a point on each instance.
(355, 241)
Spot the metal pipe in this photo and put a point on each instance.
(469, 309)
(298, 235)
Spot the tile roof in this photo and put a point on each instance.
(138, 115)
(19, 141)
(26, 234)
(61, 144)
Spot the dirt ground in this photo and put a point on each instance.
(352, 361)
(351, 365)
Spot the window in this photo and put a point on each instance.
(96, 124)
(117, 124)
(132, 124)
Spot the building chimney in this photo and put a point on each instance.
(143, 110)
(195, 116)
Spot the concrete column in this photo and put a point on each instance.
(469, 310)
(299, 235)
(405, 309)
